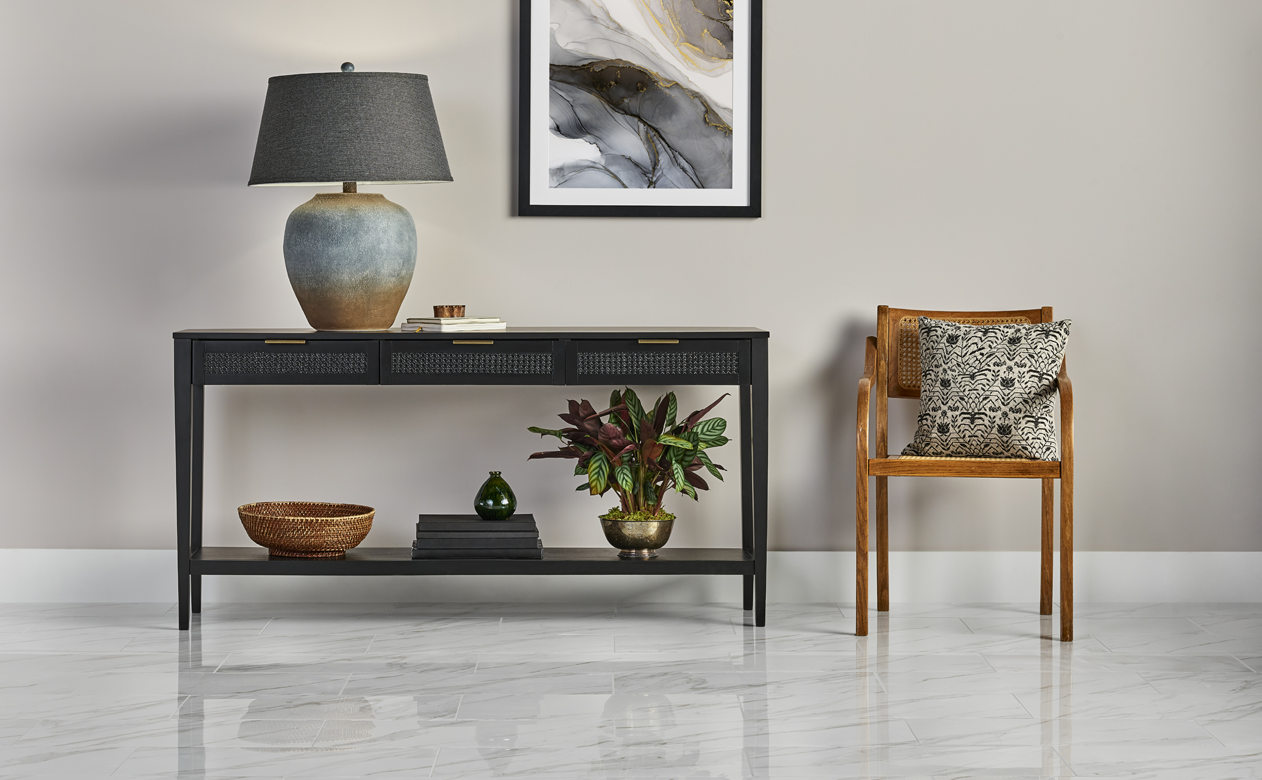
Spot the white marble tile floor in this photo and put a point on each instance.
(560, 692)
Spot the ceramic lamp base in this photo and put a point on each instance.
(350, 258)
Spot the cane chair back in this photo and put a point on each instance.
(899, 340)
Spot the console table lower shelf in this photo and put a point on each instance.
(395, 561)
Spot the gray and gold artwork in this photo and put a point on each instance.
(641, 94)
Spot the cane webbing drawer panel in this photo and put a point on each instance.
(299, 362)
(230, 363)
(649, 361)
(479, 359)
(471, 363)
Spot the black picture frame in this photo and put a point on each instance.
(525, 208)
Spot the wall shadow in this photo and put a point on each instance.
(838, 386)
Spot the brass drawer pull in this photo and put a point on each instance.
(473, 342)
(285, 341)
(659, 341)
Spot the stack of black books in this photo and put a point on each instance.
(444, 537)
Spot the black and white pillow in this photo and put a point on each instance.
(986, 391)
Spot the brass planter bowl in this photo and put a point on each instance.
(638, 538)
(306, 529)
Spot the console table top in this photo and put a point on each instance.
(509, 333)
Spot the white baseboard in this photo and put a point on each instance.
(149, 575)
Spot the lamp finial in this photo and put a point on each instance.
(348, 67)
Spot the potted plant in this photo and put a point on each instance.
(640, 456)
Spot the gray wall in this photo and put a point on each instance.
(1104, 158)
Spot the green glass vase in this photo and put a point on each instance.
(495, 499)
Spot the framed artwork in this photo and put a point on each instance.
(640, 108)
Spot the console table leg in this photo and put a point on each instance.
(758, 364)
(197, 449)
(747, 485)
(183, 468)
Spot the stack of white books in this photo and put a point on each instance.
(451, 324)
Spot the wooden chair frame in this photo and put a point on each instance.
(881, 374)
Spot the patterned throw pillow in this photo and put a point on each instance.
(986, 390)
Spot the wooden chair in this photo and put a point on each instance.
(892, 364)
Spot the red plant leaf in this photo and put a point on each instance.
(565, 453)
(695, 480)
(625, 450)
(653, 450)
(659, 418)
(612, 435)
(696, 416)
(611, 410)
(623, 417)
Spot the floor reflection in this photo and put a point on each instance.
(638, 737)
(669, 691)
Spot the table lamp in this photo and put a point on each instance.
(349, 255)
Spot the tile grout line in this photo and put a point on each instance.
(130, 753)
(1245, 665)
(224, 661)
(319, 731)
(1034, 717)
(342, 691)
(1072, 772)
(1197, 721)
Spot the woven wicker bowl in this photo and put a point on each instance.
(306, 529)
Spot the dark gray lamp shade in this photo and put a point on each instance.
(330, 128)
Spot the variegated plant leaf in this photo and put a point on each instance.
(709, 465)
(598, 473)
(633, 406)
(675, 441)
(710, 429)
(622, 475)
(681, 480)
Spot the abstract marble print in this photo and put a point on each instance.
(641, 94)
(987, 391)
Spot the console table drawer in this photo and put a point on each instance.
(285, 362)
(473, 360)
(657, 361)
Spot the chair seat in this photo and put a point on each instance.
(931, 466)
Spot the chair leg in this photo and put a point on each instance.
(882, 544)
(1067, 557)
(1045, 586)
(861, 551)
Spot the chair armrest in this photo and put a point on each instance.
(1066, 390)
(865, 394)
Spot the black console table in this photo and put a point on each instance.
(519, 356)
